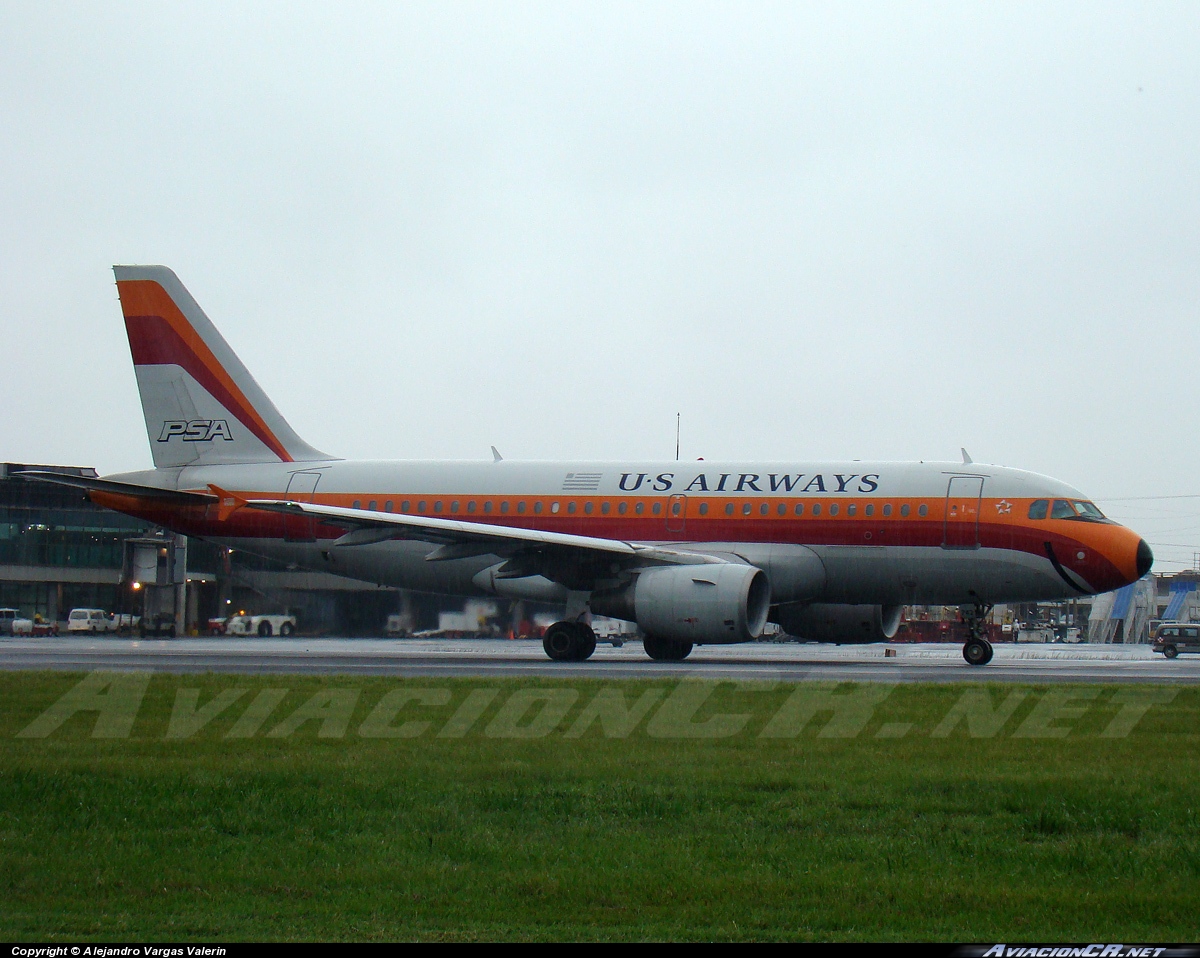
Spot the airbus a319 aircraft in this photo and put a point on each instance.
(693, 552)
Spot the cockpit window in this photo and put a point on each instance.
(1076, 509)
(1062, 510)
(1038, 508)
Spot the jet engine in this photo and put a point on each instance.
(844, 624)
(714, 603)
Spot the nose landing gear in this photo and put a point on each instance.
(977, 650)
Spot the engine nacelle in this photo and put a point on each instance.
(714, 603)
(846, 624)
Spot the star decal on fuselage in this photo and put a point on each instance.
(1003, 507)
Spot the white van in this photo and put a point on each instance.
(90, 620)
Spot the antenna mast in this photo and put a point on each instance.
(677, 437)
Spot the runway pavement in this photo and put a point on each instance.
(788, 662)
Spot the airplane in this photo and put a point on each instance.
(693, 552)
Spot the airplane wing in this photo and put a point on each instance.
(459, 538)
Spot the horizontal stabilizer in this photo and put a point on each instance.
(121, 488)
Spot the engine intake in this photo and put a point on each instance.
(716, 603)
(845, 624)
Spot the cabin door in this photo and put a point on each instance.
(302, 486)
(963, 497)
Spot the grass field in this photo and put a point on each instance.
(211, 807)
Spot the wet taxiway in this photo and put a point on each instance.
(516, 659)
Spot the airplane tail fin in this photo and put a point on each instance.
(202, 406)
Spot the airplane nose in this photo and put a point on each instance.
(1145, 558)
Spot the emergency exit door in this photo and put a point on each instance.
(963, 500)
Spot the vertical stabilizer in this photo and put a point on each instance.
(202, 406)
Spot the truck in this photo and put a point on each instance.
(92, 621)
(261, 625)
(11, 623)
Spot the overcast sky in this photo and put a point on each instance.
(817, 231)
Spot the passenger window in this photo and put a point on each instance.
(605, 507)
(571, 508)
(373, 505)
(554, 507)
(746, 507)
(623, 508)
(923, 510)
(437, 505)
(588, 507)
(799, 508)
(640, 508)
(1062, 510)
(1038, 508)
(869, 510)
(454, 506)
(763, 509)
(851, 509)
(676, 507)
(537, 508)
(782, 510)
(816, 508)
(904, 510)
(387, 506)
(421, 506)
(729, 508)
(357, 504)
(404, 506)
(833, 509)
(504, 507)
(521, 507)
(704, 508)
(487, 506)
(887, 508)
(471, 506)
(657, 508)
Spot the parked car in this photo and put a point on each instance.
(95, 621)
(11, 623)
(1173, 638)
(161, 624)
(261, 625)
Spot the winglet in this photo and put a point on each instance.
(227, 502)
(496, 457)
(967, 460)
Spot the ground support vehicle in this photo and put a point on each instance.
(261, 625)
(92, 621)
(1175, 637)
(11, 623)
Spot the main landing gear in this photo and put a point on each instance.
(978, 650)
(569, 641)
(666, 650)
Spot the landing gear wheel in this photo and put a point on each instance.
(1170, 651)
(286, 629)
(977, 652)
(666, 650)
(585, 642)
(561, 641)
(264, 629)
